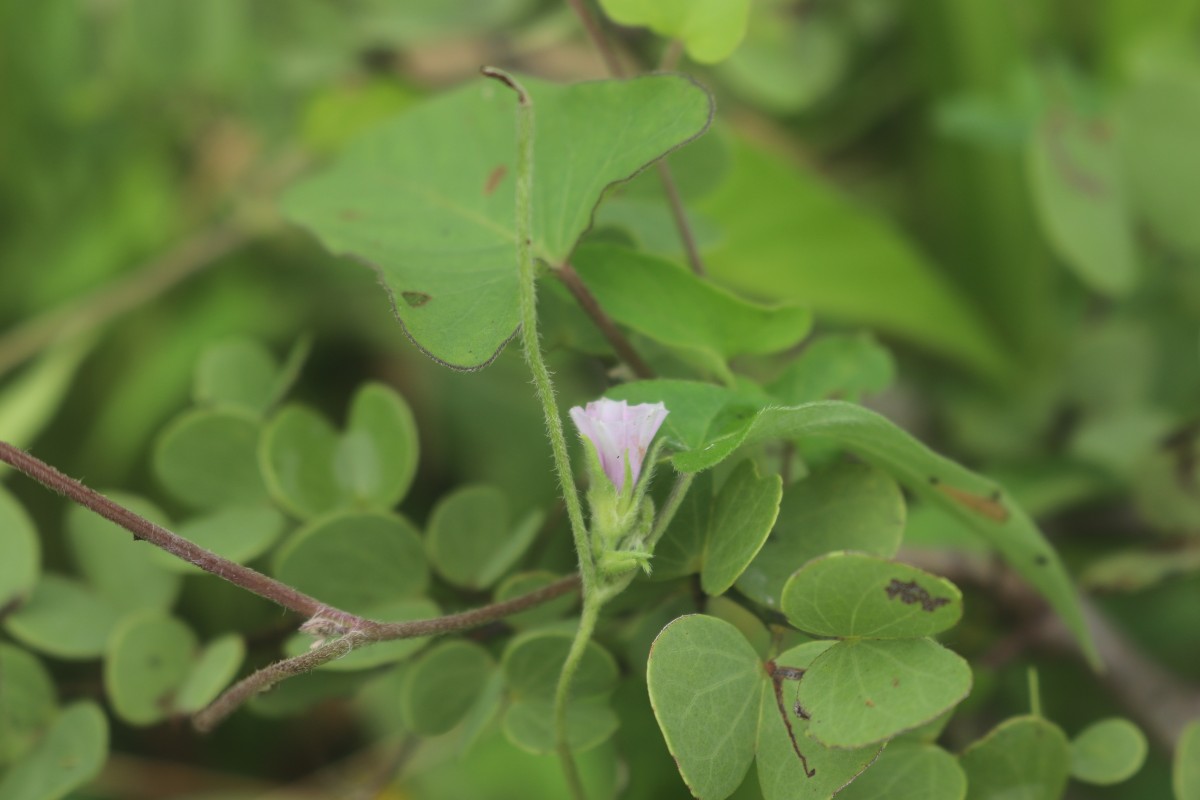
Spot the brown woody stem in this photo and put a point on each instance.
(587, 301)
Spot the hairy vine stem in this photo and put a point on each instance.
(354, 631)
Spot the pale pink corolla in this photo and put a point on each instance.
(621, 434)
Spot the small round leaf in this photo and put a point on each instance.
(295, 457)
(910, 771)
(471, 541)
(146, 661)
(237, 373)
(64, 618)
(209, 458)
(863, 596)
(67, 757)
(27, 702)
(443, 684)
(20, 552)
(1108, 752)
(1022, 756)
(215, 667)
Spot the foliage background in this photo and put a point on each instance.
(1000, 191)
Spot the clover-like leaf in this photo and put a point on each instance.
(1107, 752)
(1022, 756)
(472, 540)
(862, 692)
(147, 659)
(20, 552)
(858, 595)
(910, 770)
(63, 618)
(1185, 773)
(27, 702)
(211, 670)
(743, 513)
(427, 199)
(208, 458)
(70, 754)
(441, 686)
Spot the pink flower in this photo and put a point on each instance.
(621, 434)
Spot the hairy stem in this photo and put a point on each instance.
(145, 530)
(529, 329)
(265, 678)
(562, 695)
(587, 301)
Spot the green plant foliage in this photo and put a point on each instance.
(709, 322)
(846, 594)
(20, 552)
(1160, 118)
(27, 702)
(240, 534)
(525, 582)
(311, 470)
(835, 367)
(860, 692)
(1185, 777)
(29, 401)
(355, 561)
(441, 687)
(743, 514)
(846, 505)
(239, 374)
(208, 458)
(1108, 752)
(146, 660)
(214, 667)
(913, 771)
(471, 540)
(1025, 755)
(63, 618)
(706, 683)
(1075, 175)
(710, 29)
(708, 423)
(770, 212)
(531, 663)
(70, 754)
(126, 573)
(448, 254)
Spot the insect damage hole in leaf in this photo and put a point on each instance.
(990, 506)
(416, 299)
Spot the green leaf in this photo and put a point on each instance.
(213, 669)
(1160, 123)
(471, 540)
(862, 692)
(238, 374)
(355, 561)
(1108, 752)
(63, 618)
(147, 659)
(67, 757)
(531, 664)
(973, 500)
(681, 550)
(525, 582)
(295, 456)
(743, 514)
(209, 458)
(770, 212)
(1024, 757)
(859, 595)
(847, 505)
(376, 458)
(428, 199)
(704, 318)
(835, 367)
(127, 573)
(706, 684)
(443, 684)
(780, 770)
(381, 653)
(29, 402)
(1185, 775)
(311, 470)
(239, 534)
(710, 29)
(27, 702)
(20, 552)
(910, 771)
(1075, 174)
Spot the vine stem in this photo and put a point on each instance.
(670, 60)
(353, 630)
(562, 693)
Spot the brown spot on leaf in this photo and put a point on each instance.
(350, 215)
(910, 592)
(493, 180)
(870, 704)
(990, 507)
(416, 299)
(895, 683)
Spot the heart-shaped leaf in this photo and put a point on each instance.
(1025, 757)
(427, 199)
